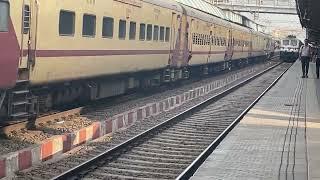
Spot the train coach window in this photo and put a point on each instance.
(167, 34)
(89, 25)
(26, 19)
(132, 30)
(294, 43)
(155, 33)
(122, 29)
(142, 34)
(149, 32)
(66, 23)
(107, 27)
(4, 16)
(161, 33)
(202, 39)
(193, 38)
(198, 39)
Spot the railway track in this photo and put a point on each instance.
(56, 114)
(17, 137)
(176, 147)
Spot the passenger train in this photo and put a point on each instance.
(289, 48)
(55, 52)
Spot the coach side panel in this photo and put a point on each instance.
(84, 53)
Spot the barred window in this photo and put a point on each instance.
(107, 27)
(132, 30)
(149, 32)
(156, 33)
(26, 19)
(66, 23)
(194, 38)
(161, 33)
(122, 29)
(142, 34)
(167, 34)
(197, 38)
(202, 39)
(4, 16)
(89, 25)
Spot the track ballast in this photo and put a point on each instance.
(166, 150)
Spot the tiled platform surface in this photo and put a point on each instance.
(278, 139)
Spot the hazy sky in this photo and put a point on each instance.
(277, 24)
(286, 24)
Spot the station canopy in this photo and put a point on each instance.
(309, 13)
(204, 6)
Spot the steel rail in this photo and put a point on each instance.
(192, 168)
(77, 171)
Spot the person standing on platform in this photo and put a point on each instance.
(305, 56)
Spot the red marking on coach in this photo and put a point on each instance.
(9, 57)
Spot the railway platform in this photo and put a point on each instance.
(279, 138)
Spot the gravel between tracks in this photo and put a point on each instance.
(89, 150)
(23, 138)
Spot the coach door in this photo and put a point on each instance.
(9, 48)
(230, 46)
(175, 40)
(28, 33)
(250, 45)
(191, 38)
(210, 46)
